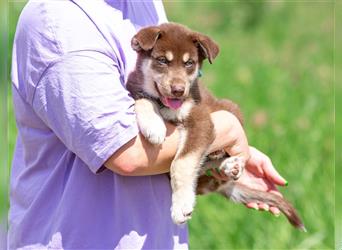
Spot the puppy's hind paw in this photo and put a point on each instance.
(217, 155)
(182, 208)
(181, 215)
(233, 167)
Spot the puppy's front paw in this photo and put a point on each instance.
(182, 207)
(233, 167)
(153, 129)
(150, 123)
(155, 132)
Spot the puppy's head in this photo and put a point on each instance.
(170, 56)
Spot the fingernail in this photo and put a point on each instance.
(255, 207)
(208, 172)
(286, 183)
(276, 215)
(266, 208)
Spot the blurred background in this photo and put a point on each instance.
(4, 171)
(277, 62)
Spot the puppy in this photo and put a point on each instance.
(165, 86)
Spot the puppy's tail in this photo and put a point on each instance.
(242, 194)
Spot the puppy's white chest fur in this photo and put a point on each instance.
(178, 115)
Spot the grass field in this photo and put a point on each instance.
(338, 130)
(277, 62)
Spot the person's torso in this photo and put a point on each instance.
(54, 196)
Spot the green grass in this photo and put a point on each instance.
(3, 119)
(6, 102)
(338, 130)
(276, 61)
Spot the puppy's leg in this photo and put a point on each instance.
(150, 123)
(211, 163)
(183, 182)
(195, 137)
(233, 166)
(207, 183)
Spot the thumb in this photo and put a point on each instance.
(273, 175)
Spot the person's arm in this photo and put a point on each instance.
(81, 99)
(139, 157)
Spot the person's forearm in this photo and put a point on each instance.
(139, 157)
(235, 140)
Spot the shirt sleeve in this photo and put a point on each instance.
(82, 98)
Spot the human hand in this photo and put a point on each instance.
(230, 135)
(261, 175)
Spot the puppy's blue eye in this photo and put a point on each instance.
(162, 60)
(188, 63)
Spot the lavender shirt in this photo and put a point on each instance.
(70, 62)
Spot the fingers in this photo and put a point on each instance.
(253, 205)
(276, 192)
(264, 207)
(272, 188)
(272, 174)
(269, 170)
(258, 206)
(275, 211)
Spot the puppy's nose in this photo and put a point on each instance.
(177, 90)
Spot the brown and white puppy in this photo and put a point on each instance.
(165, 86)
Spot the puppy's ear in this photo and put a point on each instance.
(145, 39)
(207, 47)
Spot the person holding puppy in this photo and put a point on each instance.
(83, 177)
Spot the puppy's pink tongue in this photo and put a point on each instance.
(172, 103)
